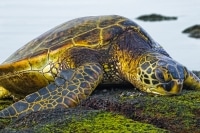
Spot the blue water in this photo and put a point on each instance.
(23, 20)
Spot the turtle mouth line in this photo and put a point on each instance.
(176, 86)
(173, 87)
(168, 86)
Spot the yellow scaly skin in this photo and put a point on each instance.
(64, 65)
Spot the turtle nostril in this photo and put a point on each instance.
(179, 81)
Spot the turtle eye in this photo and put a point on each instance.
(162, 75)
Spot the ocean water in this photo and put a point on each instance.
(22, 21)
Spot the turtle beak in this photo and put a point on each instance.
(173, 87)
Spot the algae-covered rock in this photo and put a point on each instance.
(197, 73)
(117, 110)
(123, 109)
(193, 31)
(156, 17)
(78, 120)
(176, 113)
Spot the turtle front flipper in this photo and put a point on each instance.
(191, 80)
(69, 88)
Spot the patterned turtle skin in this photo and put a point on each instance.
(64, 65)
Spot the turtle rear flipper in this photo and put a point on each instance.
(191, 80)
(69, 88)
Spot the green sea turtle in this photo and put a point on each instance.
(64, 65)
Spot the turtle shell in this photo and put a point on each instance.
(31, 66)
(92, 32)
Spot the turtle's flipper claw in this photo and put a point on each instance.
(69, 88)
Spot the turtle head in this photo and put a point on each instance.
(160, 74)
